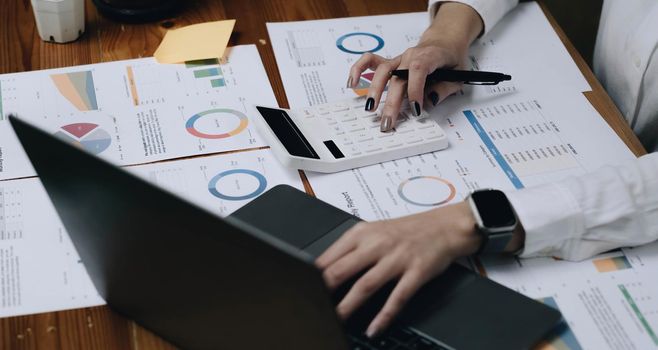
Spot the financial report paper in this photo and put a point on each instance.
(517, 134)
(138, 111)
(40, 270)
(314, 57)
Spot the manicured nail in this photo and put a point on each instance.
(434, 97)
(415, 108)
(349, 82)
(372, 331)
(386, 124)
(370, 104)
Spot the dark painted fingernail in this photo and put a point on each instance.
(387, 122)
(434, 97)
(415, 108)
(370, 104)
(349, 82)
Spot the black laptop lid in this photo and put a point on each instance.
(188, 275)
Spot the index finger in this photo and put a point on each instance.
(419, 68)
(410, 282)
(338, 249)
(366, 61)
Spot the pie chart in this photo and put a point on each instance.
(87, 136)
(365, 80)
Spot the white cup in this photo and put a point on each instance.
(59, 21)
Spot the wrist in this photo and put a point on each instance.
(455, 23)
(465, 240)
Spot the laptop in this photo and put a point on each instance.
(248, 281)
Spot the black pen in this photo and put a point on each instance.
(471, 77)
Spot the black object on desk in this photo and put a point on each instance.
(470, 77)
(248, 281)
(138, 11)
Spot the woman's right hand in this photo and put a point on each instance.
(443, 45)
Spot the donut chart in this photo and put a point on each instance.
(221, 112)
(445, 189)
(239, 174)
(343, 43)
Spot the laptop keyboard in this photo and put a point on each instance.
(397, 339)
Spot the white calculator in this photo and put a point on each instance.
(342, 135)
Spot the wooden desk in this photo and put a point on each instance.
(22, 50)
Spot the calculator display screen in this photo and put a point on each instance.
(287, 132)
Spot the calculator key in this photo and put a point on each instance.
(323, 109)
(402, 129)
(373, 149)
(358, 103)
(358, 129)
(390, 141)
(383, 135)
(365, 114)
(430, 125)
(412, 140)
(394, 145)
(349, 118)
(342, 115)
(345, 139)
(353, 125)
(354, 151)
(433, 134)
(374, 121)
(365, 139)
(339, 107)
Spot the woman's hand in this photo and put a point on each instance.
(412, 250)
(443, 45)
(420, 61)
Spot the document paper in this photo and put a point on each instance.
(534, 129)
(138, 111)
(40, 270)
(314, 57)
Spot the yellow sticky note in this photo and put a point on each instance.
(195, 42)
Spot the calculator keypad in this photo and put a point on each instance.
(357, 132)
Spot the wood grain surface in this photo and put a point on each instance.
(104, 40)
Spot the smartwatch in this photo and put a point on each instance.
(495, 219)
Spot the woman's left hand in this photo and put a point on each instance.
(411, 249)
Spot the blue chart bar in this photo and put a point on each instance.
(492, 148)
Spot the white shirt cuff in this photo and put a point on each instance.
(550, 216)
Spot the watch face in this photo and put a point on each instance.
(494, 208)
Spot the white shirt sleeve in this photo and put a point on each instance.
(579, 217)
(491, 11)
